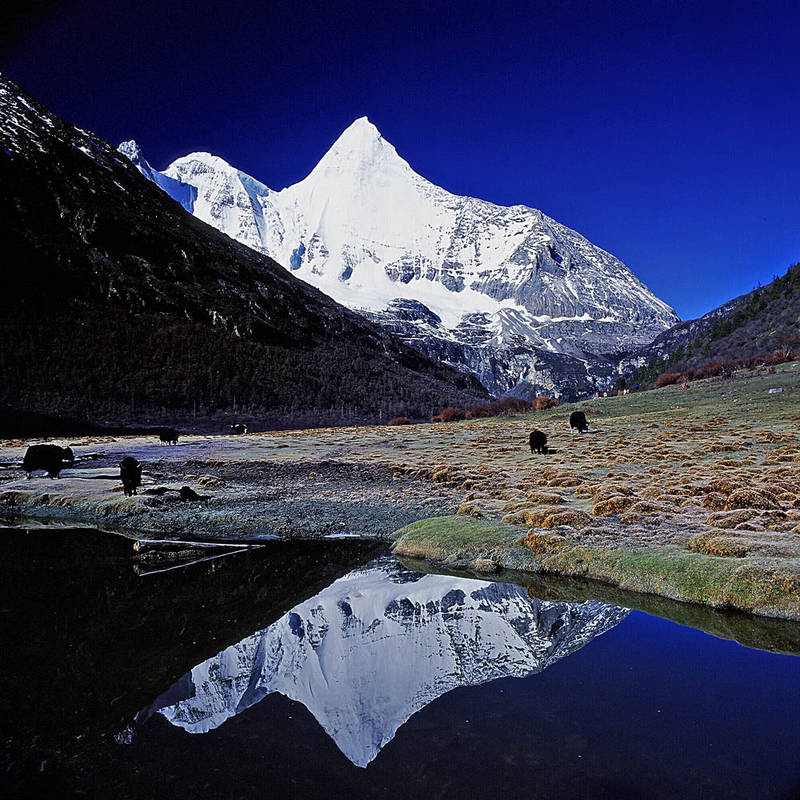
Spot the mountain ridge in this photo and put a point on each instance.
(368, 231)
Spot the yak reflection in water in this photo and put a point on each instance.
(378, 645)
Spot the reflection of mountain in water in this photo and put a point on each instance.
(378, 645)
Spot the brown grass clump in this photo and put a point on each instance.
(645, 510)
(532, 517)
(751, 498)
(646, 507)
(565, 480)
(605, 491)
(725, 546)
(210, 482)
(614, 505)
(448, 476)
(541, 542)
(573, 518)
(547, 518)
(715, 502)
(724, 485)
(730, 519)
(545, 499)
(470, 510)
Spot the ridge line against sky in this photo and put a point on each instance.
(664, 132)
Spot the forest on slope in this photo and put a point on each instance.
(117, 306)
(762, 326)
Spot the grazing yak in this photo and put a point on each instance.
(577, 419)
(49, 457)
(239, 428)
(538, 442)
(168, 436)
(130, 471)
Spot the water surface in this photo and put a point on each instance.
(327, 669)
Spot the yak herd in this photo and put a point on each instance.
(52, 459)
(538, 439)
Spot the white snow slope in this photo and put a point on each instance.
(366, 229)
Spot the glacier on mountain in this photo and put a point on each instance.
(513, 295)
(377, 646)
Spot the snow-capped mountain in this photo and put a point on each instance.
(501, 285)
(378, 645)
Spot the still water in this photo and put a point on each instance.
(330, 669)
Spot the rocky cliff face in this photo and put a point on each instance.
(380, 644)
(368, 231)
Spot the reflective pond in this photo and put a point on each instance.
(330, 668)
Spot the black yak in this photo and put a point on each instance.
(49, 457)
(130, 471)
(168, 436)
(188, 494)
(239, 428)
(577, 419)
(538, 442)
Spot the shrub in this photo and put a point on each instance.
(399, 421)
(452, 415)
(543, 403)
(668, 378)
(478, 412)
(713, 368)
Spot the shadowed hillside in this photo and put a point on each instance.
(116, 304)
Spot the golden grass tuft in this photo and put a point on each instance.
(541, 542)
(724, 546)
(751, 498)
(613, 505)
(545, 499)
(571, 517)
(715, 502)
(724, 485)
(470, 510)
(730, 519)
(210, 482)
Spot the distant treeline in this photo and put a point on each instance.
(125, 369)
(505, 406)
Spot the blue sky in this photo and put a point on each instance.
(665, 132)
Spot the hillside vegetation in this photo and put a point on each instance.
(760, 327)
(692, 494)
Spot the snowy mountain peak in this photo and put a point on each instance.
(132, 150)
(524, 302)
(359, 151)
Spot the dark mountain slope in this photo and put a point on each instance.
(754, 325)
(116, 303)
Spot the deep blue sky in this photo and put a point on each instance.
(666, 132)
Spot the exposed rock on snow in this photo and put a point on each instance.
(368, 231)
